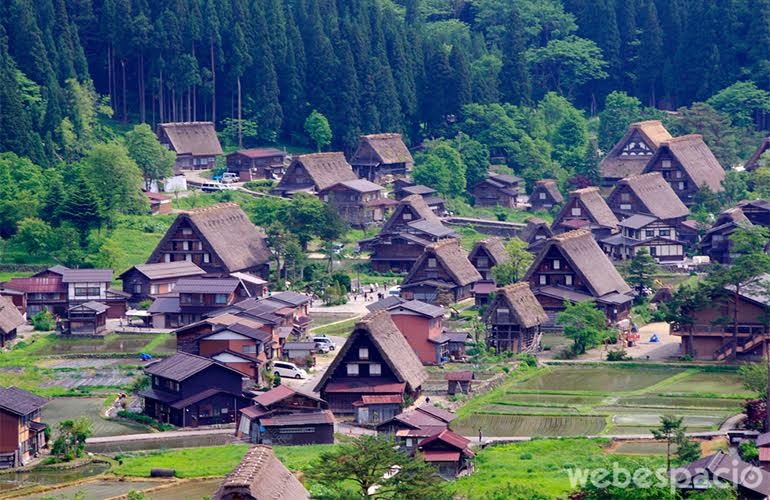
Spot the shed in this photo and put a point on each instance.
(299, 352)
(89, 318)
(460, 381)
(376, 409)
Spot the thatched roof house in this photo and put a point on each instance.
(195, 143)
(375, 340)
(381, 154)
(315, 172)
(486, 254)
(521, 304)
(646, 194)
(545, 195)
(632, 152)
(586, 209)
(753, 161)
(443, 267)
(220, 238)
(261, 476)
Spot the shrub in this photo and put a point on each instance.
(525, 456)
(43, 321)
(144, 420)
(566, 353)
(276, 379)
(748, 451)
(527, 360)
(618, 355)
(259, 185)
(685, 357)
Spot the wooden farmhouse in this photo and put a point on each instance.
(195, 143)
(315, 172)
(535, 233)
(513, 320)
(254, 164)
(189, 391)
(546, 195)
(632, 152)
(403, 238)
(586, 209)
(719, 472)
(285, 416)
(688, 165)
(716, 242)
(381, 155)
(497, 190)
(261, 476)
(711, 335)
(659, 237)
(403, 188)
(647, 194)
(459, 382)
(376, 360)
(447, 451)
(88, 318)
(94, 285)
(44, 291)
(219, 239)
(22, 433)
(407, 429)
(753, 161)
(149, 281)
(443, 269)
(10, 320)
(486, 254)
(756, 211)
(195, 298)
(359, 202)
(571, 266)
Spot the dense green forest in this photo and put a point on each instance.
(368, 65)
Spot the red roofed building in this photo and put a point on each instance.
(449, 452)
(259, 163)
(159, 203)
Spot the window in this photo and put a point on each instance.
(185, 245)
(86, 291)
(185, 298)
(220, 298)
(167, 257)
(681, 186)
(138, 288)
(678, 174)
(250, 349)
(568, 279)
(543, 279)
(409, 442)
(352, 369)
(665, 232)
(649, 233)
(625, 206)
(407, 216)
(363, 353)
(541, 195)
(556, 264)
(431, 262)
(576, 212)
(653, 251)
(206, 258)
(625, 197)
(188, 257)
(482, 262)
(154, 289)
(666, 164)
(502, 314)
(375, 369)
(186, 231)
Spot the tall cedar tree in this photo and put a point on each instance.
(514, 75)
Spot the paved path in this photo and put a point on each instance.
(159, 435)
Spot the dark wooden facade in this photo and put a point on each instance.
(253, 164)
(150, 281)
(195, 143)
(546, 195)
(87, 319)
(658, 237)
(381, 156)
(22, 433)
(360, 203)
(497, 190)
(443, 268)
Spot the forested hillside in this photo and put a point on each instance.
(368, 65)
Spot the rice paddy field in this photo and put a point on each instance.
(598, 399)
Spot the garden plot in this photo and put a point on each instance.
(110, 344)
(653, 420)
(525, 409)
(70, 363)
(95, 490)
(707, 382)
(639, 448)
(598, 379)
(553, 399)
(529, 425)
(728, 404)
(59, 409)
(98, 377)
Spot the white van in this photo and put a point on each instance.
(288, 370)
(323, 340)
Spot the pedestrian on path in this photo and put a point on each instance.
(481, 436)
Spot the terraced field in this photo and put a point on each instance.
(596, 399)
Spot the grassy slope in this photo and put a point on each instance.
(211, 461)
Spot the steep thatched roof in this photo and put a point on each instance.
(10, 317)
(522, 304)
(550, 187)
(586, 258)
(696, 159)
(534, 224)
(617, 165)
(494, 247)
(324, 169)
(226, 227)
(452, 258)
(389, 148)
(753, 161)
(195, 138)
(655, 194)
(414, 204)
(391, 344)
(261, 476)
(596, 209)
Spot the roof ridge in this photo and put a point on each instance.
(382, 135)
(570, 235)
(322, 154)
(543, 182)
(211, 208)
(516, 286)
(647, 122)
(585, 190)
(683, 138)
(186, 123)
(443, 243)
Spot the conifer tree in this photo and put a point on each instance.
(514, 74)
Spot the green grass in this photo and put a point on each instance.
(539, 465)
(136, 247)
(211, 461)
(604, 379)
(468, 236)
(8, 276)
(341, 328)
(462, 209)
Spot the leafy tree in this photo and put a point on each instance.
(116, 178)
(669, 429)
(567, 64)
(640, 272)
(716, 128)
(317, 127)
(432, 171)
(754, 377)
(584, 324)
(513, 270)
(155, 161)
(748, 451)
(82, 206)
(454, 164)
(365, 463)
(742, 102)
(71, 440)
(475, 157)
(620, 110)
(33, 235)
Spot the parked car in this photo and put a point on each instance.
(213, 187)
(322, 348)
(230, 177)
(323, 340)
(288, 370)
(394, 291)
